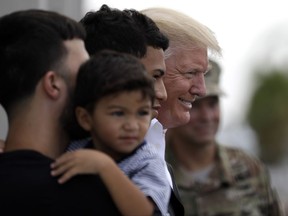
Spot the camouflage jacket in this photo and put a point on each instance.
(238, 185)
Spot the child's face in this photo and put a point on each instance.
(120, 121)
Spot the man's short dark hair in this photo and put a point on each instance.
(31, 43)
(127, 31)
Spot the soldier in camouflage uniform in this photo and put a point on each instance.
(214, 180)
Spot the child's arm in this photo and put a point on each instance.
(127, 196)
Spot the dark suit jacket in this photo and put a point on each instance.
(175, 206)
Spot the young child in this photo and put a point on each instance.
(113, 101)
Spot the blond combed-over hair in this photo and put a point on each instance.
(182, 30)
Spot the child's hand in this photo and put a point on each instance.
(79, 162)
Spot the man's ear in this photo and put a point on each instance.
(84, 118)
(51, 84)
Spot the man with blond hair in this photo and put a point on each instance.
(186, 62)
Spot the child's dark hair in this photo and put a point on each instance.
(109, 72)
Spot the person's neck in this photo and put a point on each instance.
(38, 133)
(195, 157)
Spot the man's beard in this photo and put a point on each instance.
(67, 117)
(68, 121)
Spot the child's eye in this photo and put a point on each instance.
(144, 112)
(117, 113)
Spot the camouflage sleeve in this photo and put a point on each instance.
(272, 205)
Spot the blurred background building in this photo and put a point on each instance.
(72, 8)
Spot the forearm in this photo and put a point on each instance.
(126, 195)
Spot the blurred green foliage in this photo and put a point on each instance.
(268, 115)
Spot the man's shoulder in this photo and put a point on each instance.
(21, 160)
(236, 156)
(26, 170)
(25, 178)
